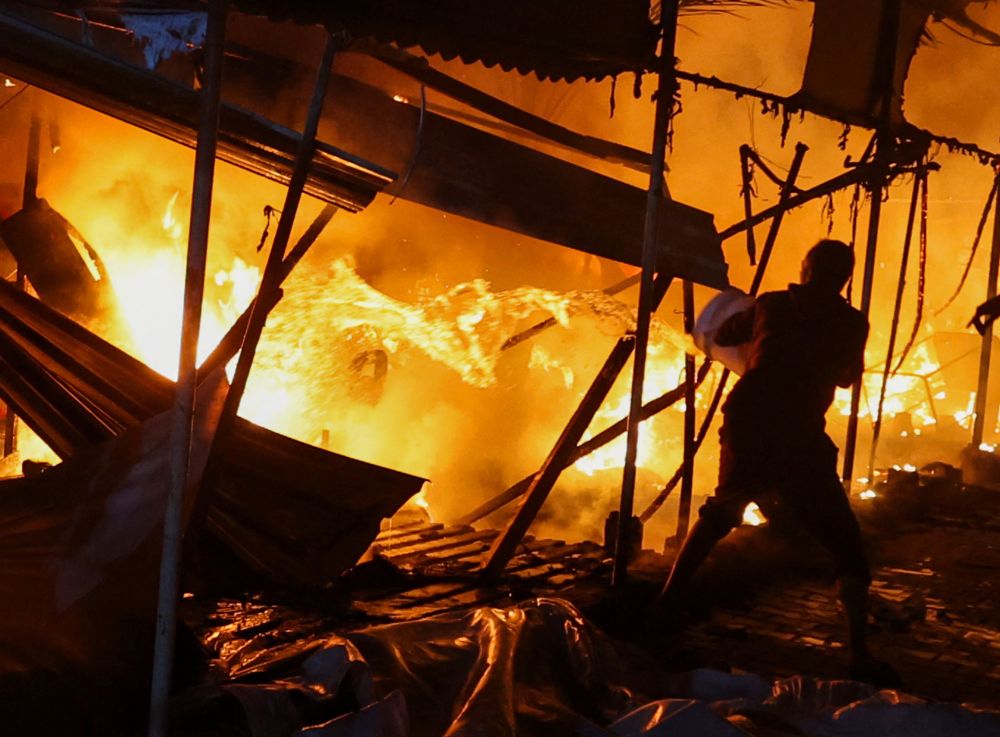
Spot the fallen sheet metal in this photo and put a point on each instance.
(293, 513)
(79, 562)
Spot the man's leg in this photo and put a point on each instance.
(739, 466)
(715, 521)
(824, 509)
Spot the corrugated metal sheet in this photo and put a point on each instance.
(554, 39)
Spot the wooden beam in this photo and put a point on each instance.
(505, 545)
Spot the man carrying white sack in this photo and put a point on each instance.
(803, 342)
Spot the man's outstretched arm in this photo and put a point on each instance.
(986, 313)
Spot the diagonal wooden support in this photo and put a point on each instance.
(267, 300)
(246, 333)
(605, 436)
(505, 545)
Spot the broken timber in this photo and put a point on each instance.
(506, 544)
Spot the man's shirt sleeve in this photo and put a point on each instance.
(855, 364)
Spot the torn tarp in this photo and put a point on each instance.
(846, 73)
(161, 35)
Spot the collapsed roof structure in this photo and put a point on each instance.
(78, 392)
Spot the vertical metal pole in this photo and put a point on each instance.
(894, 328)
(666, 88)
(29, 195)
(851, 441)
(687, 475)
(883, 93)
(985, 352)
(183, 410)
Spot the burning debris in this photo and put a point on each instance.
(400, 343)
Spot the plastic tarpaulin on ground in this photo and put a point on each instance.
(541, 669)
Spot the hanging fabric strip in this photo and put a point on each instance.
(748, 192)
(855, 209)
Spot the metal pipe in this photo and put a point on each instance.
(183, 409)
(883, 93)
(985, 352)
(851, 440)
(666, 89)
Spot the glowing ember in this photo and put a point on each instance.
(868, 494)
(753, 516)
(420, 500)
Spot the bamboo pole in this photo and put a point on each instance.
(183, 410)
(986, 351)
(851, 439)
(273, 270)
(666, 88)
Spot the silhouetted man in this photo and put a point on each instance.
(803, 343)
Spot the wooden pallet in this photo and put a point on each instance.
(444, 561)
